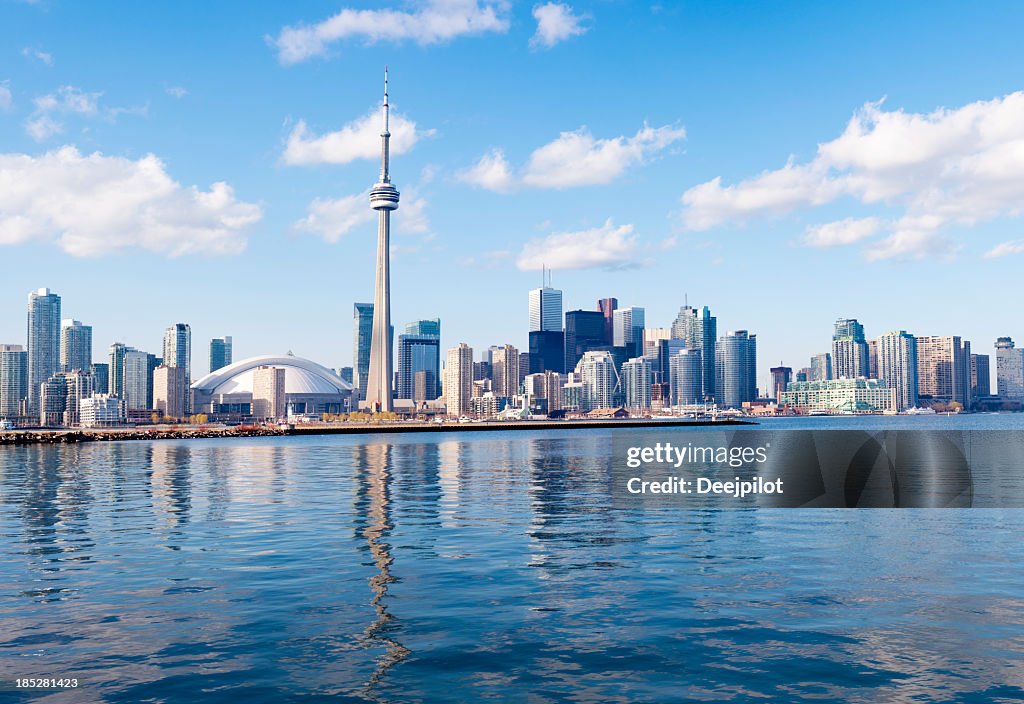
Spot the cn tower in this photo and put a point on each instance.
(383, 199)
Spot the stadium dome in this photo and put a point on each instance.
(301, 377)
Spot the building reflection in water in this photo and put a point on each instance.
(374, 465)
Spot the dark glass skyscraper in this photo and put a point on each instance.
(608, 306)
(419, 350)
(221, 353)
(362, 315)
(547, 351)
(584, 331)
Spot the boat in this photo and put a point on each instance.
(920, 411)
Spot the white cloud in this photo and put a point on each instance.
(435, 22)
(333, 218)
(491, 172)
(608, 247)
(176, 91)
(573, 159)
(1004, 249)
(6, 99)
(359, 139)
(841, 232)
(50, 109)
(950, 166)
(555, 23)
(39, 55)
(94, 204)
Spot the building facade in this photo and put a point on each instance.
(686, 377)
(268, 393)
(1009, 370)
(458, 380)
(841, 396)
(221, 352)
(850, 354)
(943, 370)
(13, 380)
(736, 367)
(636, 384)
(419, 350)
(897, 366)
(75, 346)
(43, 343)
(545, 309)
(505, 370)
(599, 380)
(170, 389)
(628, 330)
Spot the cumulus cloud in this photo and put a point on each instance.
(1004, 249)
(841, 232)
(555, 23)
(333, 218)
(95, 204)
(359, 139)
(435, 22)
(47, 119)
(607, 247)
(39, 55)
(573, 159)
(950, 166)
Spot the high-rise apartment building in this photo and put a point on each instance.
(170, 389)
(981, 380)
(600, 381)
(362, 334)
(698, 329)
(686, 377)
(419, 350)
(943, 370)
(79, 385)
(13, 380)
(736, 367)
(1009, 370)
(505, 370)
(897, 366)
(221, 353)
(850, 354)
(75, 346)
(458, 380)
(178, 353)
(268, 393)
(781, 376)
(545, 309)
(821, 367)
(135, 385)
(43, 342)
(636, 383)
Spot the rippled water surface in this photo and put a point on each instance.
(478, 566)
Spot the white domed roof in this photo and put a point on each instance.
(301, 376)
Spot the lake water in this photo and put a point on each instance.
(482, 567)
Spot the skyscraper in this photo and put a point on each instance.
(419, 350)
(628, 330)
(599, 379)
(269, 393)
(458, 380)
(547, 351)
(177, 353)
(821, 367)
(545, 309)
(699, 330)
(43, 342)
(608, 306)
(897, 366)
(505, 370)
(736, 368)
(13, 380)
(220, 353)
(383, 199)
(1009, 370)
(135, 389)
(636, 383)
(850, 356)
(362, 319)
(686, 377)
(781, 376)
(115, 384)
(981, 380)
(169, 391)
(75, 346)
(584, 330)
(943, 369)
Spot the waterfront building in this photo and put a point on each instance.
(841, 396)
(943, 370)
(736, 367)
(897, 366)
(13, 380)
(1009, 370)
(221, 352)
(584, 331)
(383, 199)
(269, 394)
(170, 389)
(136, 388)
(116, 356)
(419, 349)
(362, 334)
(607, 307)
(547, 386)
(686, 377)
(572, 393)
(43, 343)
(545, 310)
(100, 411)
(628, 330)
(850, 355)
(177, 353)
(547, 352)
(600, 381)
(79, 385)
(309, 388)
(75, 346)
(505, 370)
(821, 367)
(101, 377)
(781, 376)
(981, 380)
(53, 394)
(636, 383)
(698, 329)
(458, 380)
(488, 405)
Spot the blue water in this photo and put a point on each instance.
(481, 567)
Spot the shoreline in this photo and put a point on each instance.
(71, 436)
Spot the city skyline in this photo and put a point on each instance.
(490, 230)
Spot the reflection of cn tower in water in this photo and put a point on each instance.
(373, 499)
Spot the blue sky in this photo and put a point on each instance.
(588, 136)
